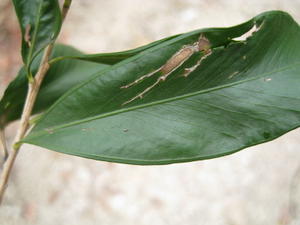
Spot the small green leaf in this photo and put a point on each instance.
(40, 22)
(61, 76)
(245, 93)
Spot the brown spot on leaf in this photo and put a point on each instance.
(49, 131)
(27, 37)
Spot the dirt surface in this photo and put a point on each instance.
(257, 186)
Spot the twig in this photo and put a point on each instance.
(33, 90)
(3, 144)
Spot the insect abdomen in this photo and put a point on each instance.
(176, 60)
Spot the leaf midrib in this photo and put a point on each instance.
(119, 111)
(36, 28)
(133, 59)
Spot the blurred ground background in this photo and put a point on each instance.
(257, 186)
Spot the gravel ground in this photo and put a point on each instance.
(257, 186)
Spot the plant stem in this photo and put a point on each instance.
(33, 89)
(3, 144)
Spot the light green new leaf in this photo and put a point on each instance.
(61, 76)
(40, 22)
(244, 93)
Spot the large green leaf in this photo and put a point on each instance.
(62, 76)
(40, 22)
(243, 94)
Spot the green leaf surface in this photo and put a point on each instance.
(61, 76)
(245, 93)
(40, 22)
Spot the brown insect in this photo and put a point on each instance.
(173, 63)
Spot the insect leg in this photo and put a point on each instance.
(141, 78)
(189, 70)
(140, 95)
